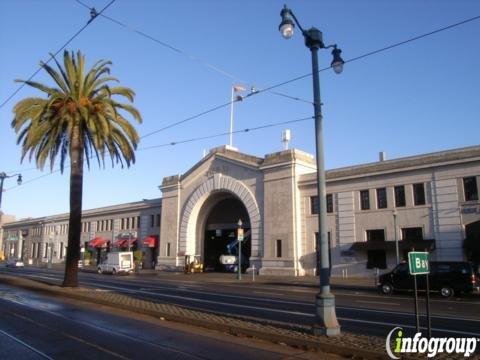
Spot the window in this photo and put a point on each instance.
(157, 220)
(418, 194)
(315, 207)
(279, 248)
(152, 220)
(364, 200)
(168, 248)
(400, 196)
(470, 188)
(329, 203)
(61, 250)
(376, 235)
(381, 198)
(413, 233)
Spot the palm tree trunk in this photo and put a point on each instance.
(75, 221)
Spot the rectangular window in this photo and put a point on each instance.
(138, 222)
(470, 188)
(329, 203)
(364, 200)
(152, 220)
(381, 198)
(376, 235)
(279, 248)
(168, 248)
(413, 233)
(314, 206)
(419, 194)
(158, 220)
(61, 250)
(46, 251)
(400, 196)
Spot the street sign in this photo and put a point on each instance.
(240, 235)
(418, 263)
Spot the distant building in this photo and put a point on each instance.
(426, 202)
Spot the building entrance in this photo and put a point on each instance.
(220, 249)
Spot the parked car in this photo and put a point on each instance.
(117, 262)
(448, 278)
(14, 263)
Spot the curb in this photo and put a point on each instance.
(279, 333)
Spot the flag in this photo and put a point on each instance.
(238, 88)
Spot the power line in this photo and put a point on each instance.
(172, 143)
(370, 53)
(374, 52)
(246, 130)
(94, 16)
(184, 53)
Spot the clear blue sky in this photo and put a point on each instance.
(417, 98)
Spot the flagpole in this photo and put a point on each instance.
(231, 117)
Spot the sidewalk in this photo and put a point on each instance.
(346, 345)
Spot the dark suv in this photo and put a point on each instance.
(446, 277)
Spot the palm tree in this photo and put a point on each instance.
(80, 119)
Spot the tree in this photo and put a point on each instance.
(79, 119)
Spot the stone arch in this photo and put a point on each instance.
(191, 209)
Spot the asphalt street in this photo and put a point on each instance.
(34, 326)
(359, 311)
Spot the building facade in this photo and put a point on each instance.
(376, 213)
(44, 240)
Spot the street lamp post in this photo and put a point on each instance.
(240, 239)
(327, 322)
(4, 176)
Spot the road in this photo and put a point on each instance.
(41, 327)
(363, 312)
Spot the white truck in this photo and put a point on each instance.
(117, 262)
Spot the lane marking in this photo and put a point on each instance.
(102, 284)
(268, 293)
(26, 345)
(376, 302)
(410, 326)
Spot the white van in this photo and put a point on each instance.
(117, 262)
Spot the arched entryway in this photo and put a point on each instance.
(227, 199)
(220, 246)
(472, 242)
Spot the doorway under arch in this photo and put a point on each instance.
(218, 225)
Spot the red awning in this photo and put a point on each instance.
(98, 242)
(150, 241)
(123, 243)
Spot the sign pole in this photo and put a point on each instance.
(427, 295)
(417, 318)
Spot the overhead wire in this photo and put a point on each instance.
(56, 53)
(258, 91)
(172, 143)
(186, 54)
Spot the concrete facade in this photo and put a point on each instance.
(427, 201)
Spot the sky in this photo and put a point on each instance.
(417, 98)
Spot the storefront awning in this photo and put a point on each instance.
(150, 241)
(123, 243)
(97, 242)
(427, 244)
